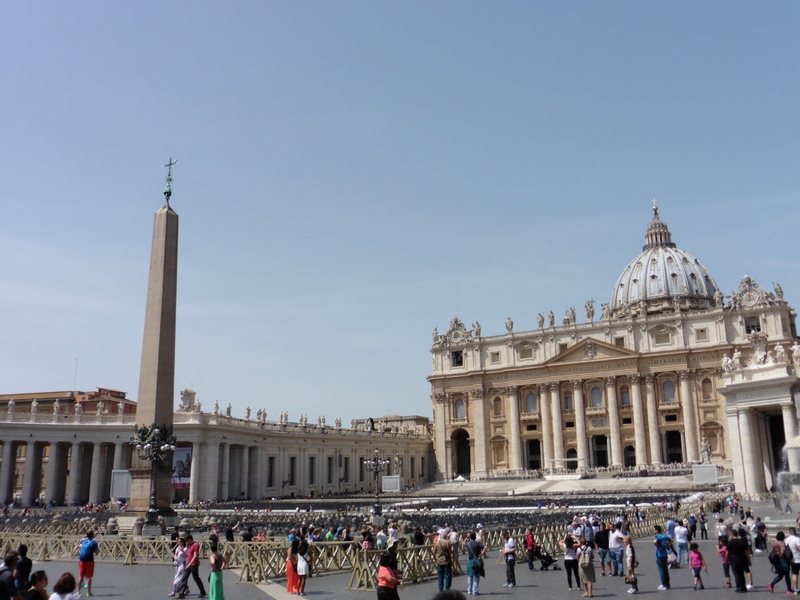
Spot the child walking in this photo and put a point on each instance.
(722, 550)
(696, 562)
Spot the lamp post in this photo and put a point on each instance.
(153, 444)
(377, 465)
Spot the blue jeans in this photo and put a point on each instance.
(616, 560)
(663, 570)
(445, 576)
(681, 549)
(472, 584)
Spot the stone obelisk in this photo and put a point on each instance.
(157, 375)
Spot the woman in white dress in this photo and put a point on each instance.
(302, 567)
(179, 562)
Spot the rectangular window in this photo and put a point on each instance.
(702, 335)
(457, 358)
(270, 471)
(619, 342)
(662, 338)
(570, 425)
(346, 475)
(330, 470)
(531, 428)
(627, 420)
(292, 471)
(562, 348)
(626, 397)
(494, 357)
(526, 353)
(671, 418)
(752, 325)
(312, 469)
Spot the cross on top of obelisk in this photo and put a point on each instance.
(168, 189)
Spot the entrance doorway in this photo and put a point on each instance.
(463, 466)
(572, 462)
(674, 448)
(534, 454)
(599, 451)
(629, 456)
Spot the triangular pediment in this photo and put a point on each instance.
(590, 350)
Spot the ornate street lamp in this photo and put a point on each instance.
(377, 465)
(153, 444)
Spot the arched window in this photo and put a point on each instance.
(497, 407)
(572, 455)
(668, 388)
(568, 405)
(707, 388)
(530, 403)
(625, 393)
(597, 397)
(461, 412)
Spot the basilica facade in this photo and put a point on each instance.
(672, 371)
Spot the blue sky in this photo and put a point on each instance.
(353, 174)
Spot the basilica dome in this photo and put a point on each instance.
(662, 279)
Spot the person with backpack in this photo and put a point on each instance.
(475, 552)
(585, 555)
(88, 548)
(780, 563)
(8, 590)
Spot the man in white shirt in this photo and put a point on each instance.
(682, 542)
(793, 543)
(616, 547)
(509, 554)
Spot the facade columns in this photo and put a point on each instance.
(689, 417)
(749, 452)
(119, 456)
(512, 399)
(32, 475)
(96, 478)
(480, 466)
(638, 421)
(440, 439)
(580, 424)
(652, 420)
(613, 417)
(244, 488)
(558, 428)
(75, 471)
(547, 427)
(790, 432)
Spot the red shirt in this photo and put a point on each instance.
(193, 555)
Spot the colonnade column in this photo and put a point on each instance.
(790, 433)
(211, 468)
(53, 473)
(245, 486)
(547, 427)
(95, 479)
(7, 469)
(119, 456)
(32, 475)
(515, 462)
(613, 418)
(254, 489)
(479, 432)
(440, 439)
(225, 467)
(580, 424)
(194, 473)
(689, 417)
(558, 428)
(652, 420)
(75, 469)
(638, 421)
(748, 452)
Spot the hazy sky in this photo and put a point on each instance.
(353, 174)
